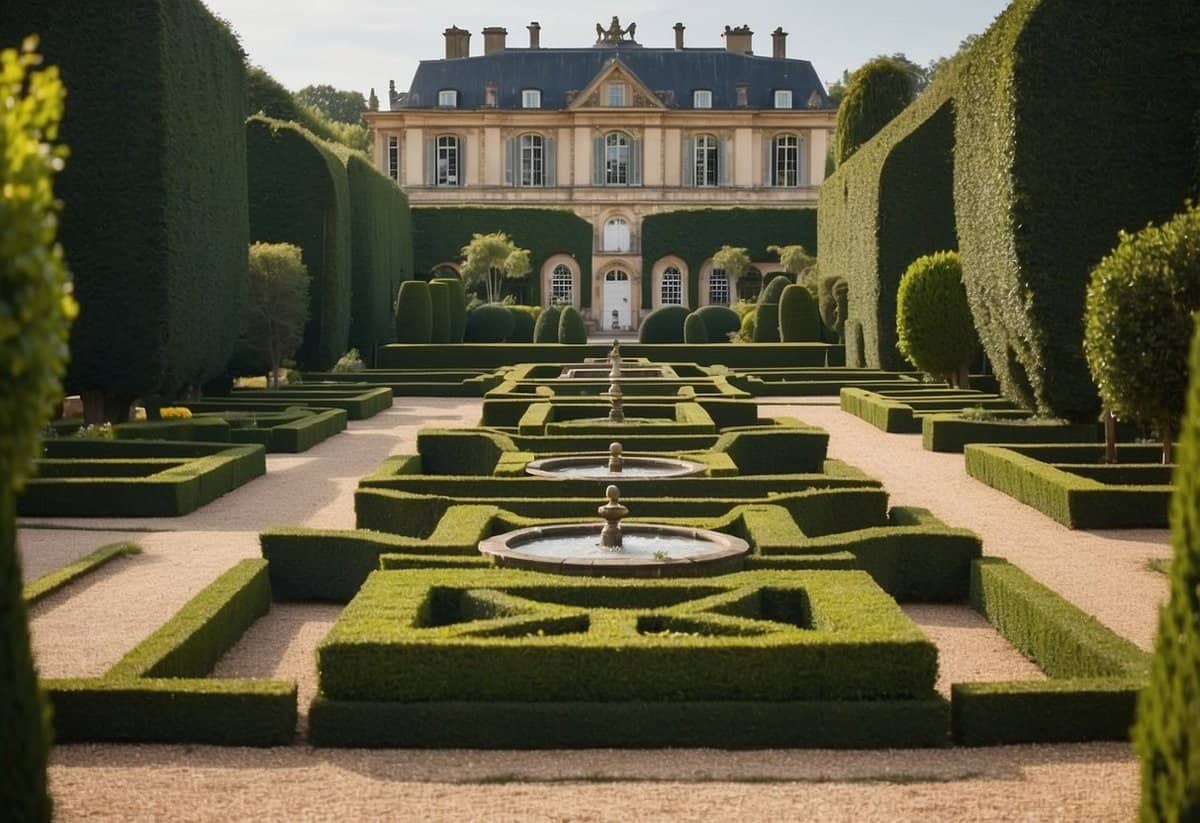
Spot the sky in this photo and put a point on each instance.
(360, 44)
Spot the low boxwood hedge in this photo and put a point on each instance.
(952, 432)
(47, 584)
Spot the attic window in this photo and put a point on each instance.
(531, 98)
(702, 99)
(616, 94)
(448, 98)
(783, 98)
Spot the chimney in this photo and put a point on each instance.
(535, 35)
(679, 35)
(493, 39)
(738, 40)
(779, 43)
(458, 42)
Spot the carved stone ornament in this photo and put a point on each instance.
(614, 35)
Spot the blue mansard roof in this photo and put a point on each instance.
(677, 72)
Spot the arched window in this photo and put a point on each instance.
(750, 284)
(616, 235)
(447, 160)
(785, 160)
(705, 160)
(671, 287)
(616, 159)
(562, 286)
(533, 160)
(718, 288)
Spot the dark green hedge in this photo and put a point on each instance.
(457, 300)
(493, 356)
(439, 302)
(951, 432)
(300, 194)
(414, 313)
(663, 325)
(440, 233)
(154, 225)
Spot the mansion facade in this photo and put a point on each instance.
(613, 132)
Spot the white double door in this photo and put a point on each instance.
(618, 301)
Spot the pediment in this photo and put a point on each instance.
(615, 71)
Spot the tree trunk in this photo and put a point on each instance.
(1110, 438)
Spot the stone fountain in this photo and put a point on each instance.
(614, 465)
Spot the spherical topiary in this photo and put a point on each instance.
(545, 330)
(524, 320)
(1138, 320)
(694, 330)
(489, 323)
(439, 302)
(414, 313)
(877, 92)
(570, 327)
(798, 318)
(766, 323)
(457, 301)
(774, 288)
(934, 326)
(663, 325)
(721, 321)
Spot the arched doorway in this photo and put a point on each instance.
(616, 235)
(618, 301)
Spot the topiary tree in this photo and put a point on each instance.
(276, 309)
(570, 327)
(933, 321)
(456, 300)
(733, 260)
(877, 92)
(1138, 320)
(439, 304)
(414, 313)
(489, 323)
(799, 321)
(833, 297)
(721, 322)
(663, 325)
(797, 262)
(1167, 733)
(492, 258)
(545, 330)
(766, 323)
(694, 330)
(37, 308)
(773, 288)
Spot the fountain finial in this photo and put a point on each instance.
(616, 397)
(612, 512)
(615, 461)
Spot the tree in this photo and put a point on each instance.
(934, 326)
(797, 262)
(276, 308)
(36, 308)
(338, 105)
(266, 95)
(734, 260)
(490, 259)
(878, 91)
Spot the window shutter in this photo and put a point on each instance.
(431, 162)
(462, 161)
(724, 161)
(598, 161)
(688, 175)
(512, 162)
(801, 162)
(768, 179)
(551, 160)
(635, 162)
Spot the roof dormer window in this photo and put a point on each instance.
(616, 94)
(448, 99)
(783, 98)
(702, 99)
(531, 98)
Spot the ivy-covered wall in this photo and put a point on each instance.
(440, 233)
(696, 234)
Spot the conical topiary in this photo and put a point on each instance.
(414, 313)
(545, 330)
(799, 321)
(439, 303)
(571, 330)
(457, 300)
(694, 330)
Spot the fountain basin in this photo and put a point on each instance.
(648, 550)
(626, 372)
(595, 467)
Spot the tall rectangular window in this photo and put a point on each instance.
(531, 99)
(616, 159)
(393, 159)
(718, 288)
(786, 167)
(783, 99)
(533, 168)
(616, 94)
(702, 99)
(447, 160)
(706, 160)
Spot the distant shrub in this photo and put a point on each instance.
(570, 326)
(746, 330)
(833, 298)
(663, 325)
(524, 322)
(545, 330)
(457, 304)
(773, 288)
(175, 413)
(934, 327)
(489, 323)
(798, 318)
(766, 323)
(276, 307)
(694, 330)
(351, 361)
(439, 304)
(721, 321)
(877, 92)
(414, 313)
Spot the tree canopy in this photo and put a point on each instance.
(491, 259)
(339, 105)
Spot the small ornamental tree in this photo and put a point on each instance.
(1167, 733)
(276, 307)
(933, 321)
(877, 92)
(571, 330)
(36, 309)
(491, 259)
(545, 330)
(734, 260)
(797, 262)
(414, 313)
(1138, 321)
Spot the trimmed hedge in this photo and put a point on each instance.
(524, 323)
(900, 411)
(439, 305)
(782, 355)
(457, 300)
(876, 92)
(720, 321)
(60, 578)
(414, 313)
(300, 194)
(951, 433)
(773, 287)
(934, 328)
(663, 325)
(545, 330)
(489, 323)
(292, 430)
(571, 331)
(694, 330)
(799, 319)
(359, 400)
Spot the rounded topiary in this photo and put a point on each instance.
(1138, 320)
(414, 313)
(833, 298)
(694, 330)
(766, 323)
(878, 91)
(1167, 734)
(934, 326)
(545, 330)
(721, 321)
(524, 320)
(774, 287)
(571, 330)
(439, 302)
(489, 323)
(798, 318)
(457, 303)
(663, 325)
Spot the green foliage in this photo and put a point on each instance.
(1138, 323)
(546, 328)
(414, 313)
(798, 318)
(876, 93)
(833, 297)
(934, 327)
(663, 325)
(1167, 737)
(720, 321)
(466, 356)
(349, 362)
(457, 303)
(746, 329)
(265, 95)
(339, 105)
(492, 258)
(524, 322)
(734, 260)
(62, 577)
(766, 323)
(276, 308)
(797, 262)
(694, 330)
(489, 323)
(439, 300)
(571, 330)
(773, 287)
(300, 194)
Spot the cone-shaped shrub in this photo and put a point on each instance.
(456, 298)
(545, 330)
(934, 327)
(439, 304)
(663, 325)
(773, 288)
(694, 330)
(570, 327)
(798, 318)
(489, 323)
(1167, 734)
(766, 323)
(721, 321)
(524, 322)
(414, 313)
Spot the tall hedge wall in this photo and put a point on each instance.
(155, 223)
(440, 233)
(300, 194)
(697, 234)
